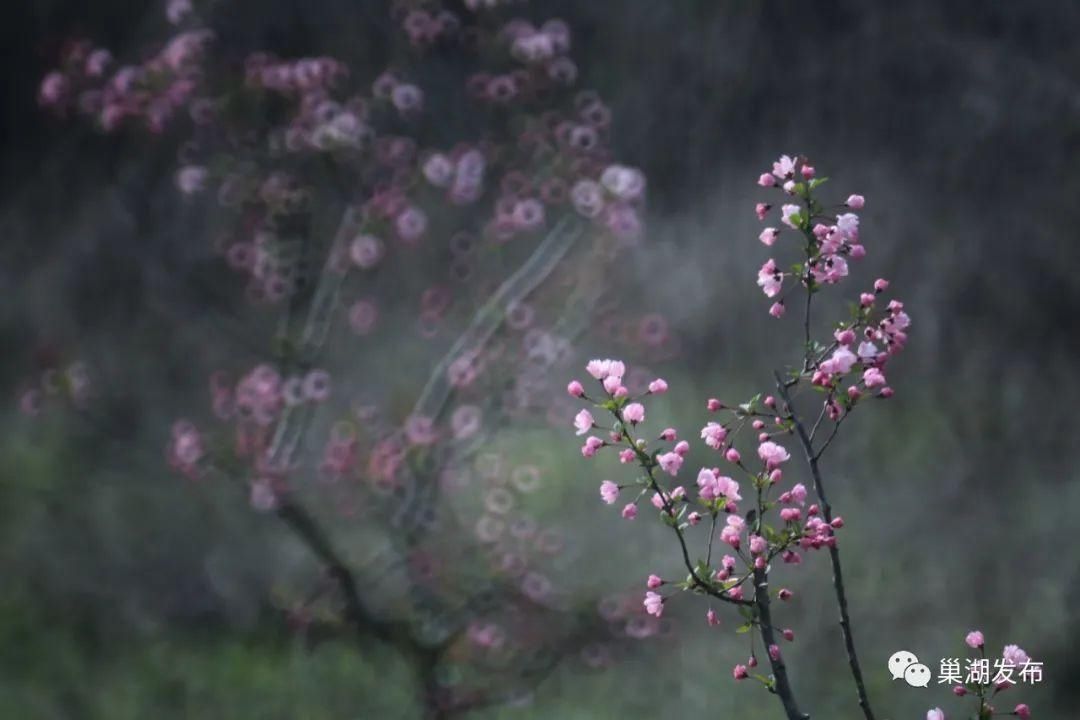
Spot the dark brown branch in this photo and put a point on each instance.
(781, 683)
(834, 553)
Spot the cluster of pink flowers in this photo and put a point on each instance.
(827, 236)
(780, 524)
(717, 494)
(151, 92)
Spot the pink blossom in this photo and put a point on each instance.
(708, 487)
(730, 535)
(612, 384)
(739, 672)
(1015, 655)
(772, 455)
(693, 518)
(1022, 711)
(626, 456)
(728, 488)
(798, 494)
(856, 202)
(670, 462)
(682, 448)
(784, 167)
(790, 514)
(766, 180)
(658, 386)
(713, 405)
(769, 279)
(935, 714)
(777, 309)
(714, 435)
(592, 444)
(629, 512)
(787, 213)
(654, 582)
(788, 634)
(873, 377)
(768, 235)
(609, 492)
(583, 421)
(761, 209)
(732, 455)
(654, 604)
(574, 389)
(840, 362)
(881, 285)
(774, 652)
(758, 545)
(974, 639)
(634, 413)
(601, 369)
(784, 594)
(668, 434)
(712, 618)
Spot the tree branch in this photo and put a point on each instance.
(834, 553)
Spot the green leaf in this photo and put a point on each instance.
(744, 628)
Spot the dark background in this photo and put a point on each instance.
(957, 120)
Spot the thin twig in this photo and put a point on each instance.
(834, 553)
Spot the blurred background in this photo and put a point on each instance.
(129, 591)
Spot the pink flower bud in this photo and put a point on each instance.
(857, 252)
(788, 634)
(766, 180)
(668, 434)
(693, 518)
(866, 299)
(739, 672)
(837, 522)
(881, 285)
(575, 389)
(959, 690)
(1022, 711)
(784, 594)
(626, 456)
(975, 640)
(630, 511)
(776, 475)
(658, 386)
(886, 392)
(761, 209)
(770, 401)
(681, 448)
(856, 202)
(752, 662)
(808, 171)
(732, 455)
(777, 309)
(654, 582)
(711, 618)
(774, 652)
(845, 337)
(714, 405)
